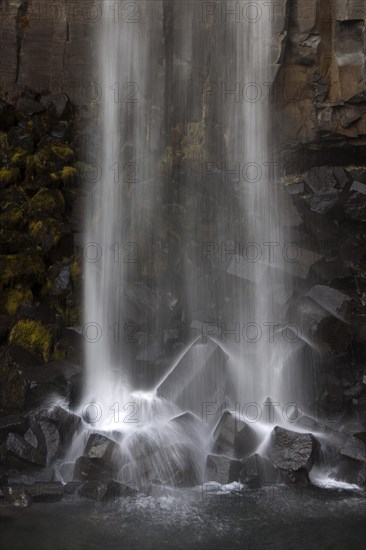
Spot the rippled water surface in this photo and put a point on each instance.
(274, 517)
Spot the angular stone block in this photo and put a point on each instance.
(198, 377)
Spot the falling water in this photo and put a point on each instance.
(160, 128)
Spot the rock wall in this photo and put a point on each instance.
(48, 47)
(320, 94)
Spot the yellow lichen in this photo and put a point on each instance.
(46, 232)
(18, 158)
(194, 140)
(21, 267)
(62, 152)
(13, 216)
(68, 172)
(9, 176)
(15, 297)
(75, 270)
(47, 201)
(32, 336)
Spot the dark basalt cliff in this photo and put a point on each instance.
(319, 94)
(49, 90)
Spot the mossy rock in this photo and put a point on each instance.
(13, 241)
(21, 267)
(62, 152)
(3, 144)
(12, 217)
(72, 316)
(13, 385)
(47, 201)
(15, 297)
(51, 158)
(9, 176)
(32, 336)
(19, 158)
(46, 232)
(65, 175)
(76, 270)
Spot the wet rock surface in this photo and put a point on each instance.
(234, 437)
(222, 469)
(292, 451)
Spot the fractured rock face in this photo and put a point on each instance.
(330, 299)
(257, 471)
(91, 469)
(234, 437)
(102, 448)
(321, 179)
(222, 469)
(40, 444)
(199, 377)
(291, 451)
(354, 448)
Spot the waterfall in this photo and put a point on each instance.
(184, 125)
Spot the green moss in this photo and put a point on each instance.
(67, 173)
(47, 201)
(62, 152)
(72, 316)
(46, 232)
(19, 158)
(194, 140)
(15, 297)
(12, 217)
(59, 352)
(21, 267)
(3, 142)
(42, 161)
(12, 381)
(32, 336)
(75, 270)
(9, 176)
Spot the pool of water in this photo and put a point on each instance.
(275, 517)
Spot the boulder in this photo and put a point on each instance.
(43, 435)
(321, 179)
(19, 447)
(191, 425)
(12, 424)
(222, 469)
(103, 449)
(111, 490)
(68, 423)
(37, 312)
(91, 469)
(258, 471)
(322, 203)
(233, 437)
(354, 448)
(355, 205)
(335, 302)
(43, 491)
(14, 496)
(27, 107)
(292, 451)
(28, 475)
(14, 382)
(58, 104)
(7, 116)
(20, 139)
